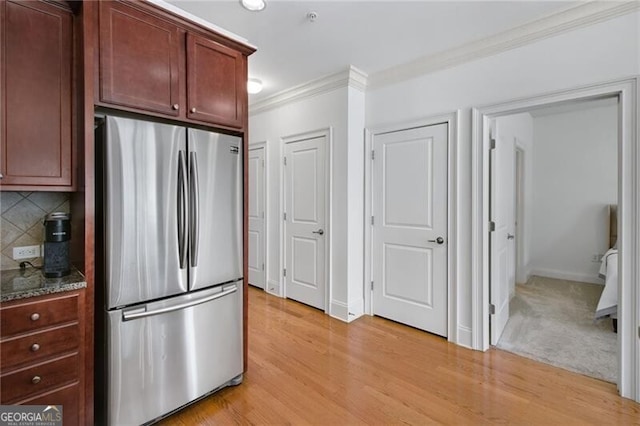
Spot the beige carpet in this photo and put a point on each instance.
(552, 321)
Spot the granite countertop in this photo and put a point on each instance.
(22, 284)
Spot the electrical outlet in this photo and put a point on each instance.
(26, 252)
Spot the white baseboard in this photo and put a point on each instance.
(356, 309)
(464, 337)
(339, 310)
(569, 276)
(523, 277)
(273, 287)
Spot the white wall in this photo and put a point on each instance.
(601, 52)
(517, 132)
(328, 110)
(355, 209)
(574, 179)
(342, 110)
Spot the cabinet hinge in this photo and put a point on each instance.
(284, 272)
(285, 161)
(371, 285)
(263, 215)
(493, 143)
(262, 163)
(373, 155)
(284, 216)
(492, 309)
(372, 221)
(492, 226)
(263, 266)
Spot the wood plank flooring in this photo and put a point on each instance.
(307, 368)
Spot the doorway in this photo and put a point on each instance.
(305, 218)
(572, 181)
(626, 91)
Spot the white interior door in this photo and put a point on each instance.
(410, 227)
(502, 244)
(257, 231)
(304, 176)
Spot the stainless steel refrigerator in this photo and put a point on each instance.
(172, 266)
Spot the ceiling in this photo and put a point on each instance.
(370, 35)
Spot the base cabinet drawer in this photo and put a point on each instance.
(27, 317)
(38, 345)
(67, 396)
(43, 354)
(19, 384)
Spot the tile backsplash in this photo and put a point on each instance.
(22, 221)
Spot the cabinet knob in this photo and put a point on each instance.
(36, 380)
(193, 110)
(175, 107)
(1, 176)
(35, 316)
(35, 347)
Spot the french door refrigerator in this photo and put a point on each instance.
(172, 266)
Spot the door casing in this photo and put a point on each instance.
(628, 93)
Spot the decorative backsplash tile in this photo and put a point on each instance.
(21, 222)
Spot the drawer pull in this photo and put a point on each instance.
(35, 347)
(36, 380)
(35, 316)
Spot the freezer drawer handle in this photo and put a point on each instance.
(142, 313)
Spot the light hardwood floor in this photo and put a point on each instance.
(307, 368)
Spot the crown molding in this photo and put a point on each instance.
(193, 18)
(580, 16)
(358, 79)
(351, 77)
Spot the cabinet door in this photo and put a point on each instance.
(68, 396)
(139, 56)
(37, 65)
(215, 82)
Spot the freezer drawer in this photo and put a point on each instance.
(164, 355)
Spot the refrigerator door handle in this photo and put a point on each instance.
(143, 313)
(182, 206)
(194, 208)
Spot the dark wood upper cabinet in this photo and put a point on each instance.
(215, 82)
(153, 62)
(36, 70)
(139, 59)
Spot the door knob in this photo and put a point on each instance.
(438, 240)
(510, 237)
(319, 232)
